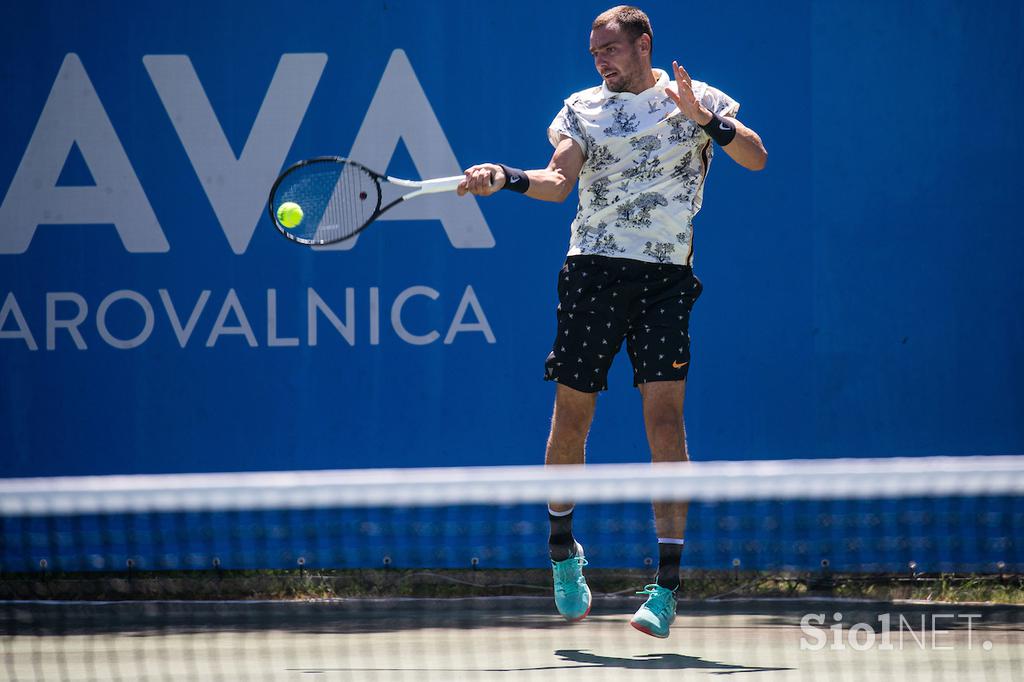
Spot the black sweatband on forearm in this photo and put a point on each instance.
(720, 130)
(515, 179)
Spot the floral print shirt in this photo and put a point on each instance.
(643, 179)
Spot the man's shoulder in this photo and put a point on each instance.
(590, 97)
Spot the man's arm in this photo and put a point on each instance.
(553, 183)
(745, 148)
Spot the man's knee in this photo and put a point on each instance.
(574, 410)
(664, 420)
(663, 412)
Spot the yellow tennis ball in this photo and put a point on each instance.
(289, 214)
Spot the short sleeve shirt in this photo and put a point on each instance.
(643, 179)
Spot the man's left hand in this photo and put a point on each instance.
(689, 105)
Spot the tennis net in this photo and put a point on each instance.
(803, 569)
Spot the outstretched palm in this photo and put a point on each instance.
(684, 98)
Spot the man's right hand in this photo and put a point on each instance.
(482, 180)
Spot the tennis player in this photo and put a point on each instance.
(640, 144)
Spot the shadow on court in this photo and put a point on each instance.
(652, 662)
(585, 659)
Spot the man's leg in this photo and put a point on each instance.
(663, 419)
(666, 435)
(591, 327)
(570, 423)
(569, 426)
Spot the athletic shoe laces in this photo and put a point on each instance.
(569, 575)
(659, 600)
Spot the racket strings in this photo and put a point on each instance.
(352, 204)
(337, 199)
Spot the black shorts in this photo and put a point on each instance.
(602, 301)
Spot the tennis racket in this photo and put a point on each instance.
(339, 198)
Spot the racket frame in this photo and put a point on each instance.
(422, 187)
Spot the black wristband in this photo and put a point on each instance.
(516, 180)
(720, 130)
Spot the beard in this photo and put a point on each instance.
(617, 83)
(625, 78)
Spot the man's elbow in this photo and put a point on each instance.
(563, 188)
(759, 162)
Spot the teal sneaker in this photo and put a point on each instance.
(572, 596)
(657, 613)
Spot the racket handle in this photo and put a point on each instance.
(429, 186)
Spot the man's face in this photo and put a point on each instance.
(619, 60)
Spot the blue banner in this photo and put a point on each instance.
(862, 293)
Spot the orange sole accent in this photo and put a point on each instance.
(585, 614)
(644, 630)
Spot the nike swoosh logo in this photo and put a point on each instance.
(724, 126)
(677, 365)
(514, 179)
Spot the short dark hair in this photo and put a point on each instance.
(630, 19)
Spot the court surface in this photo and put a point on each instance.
(499, 639)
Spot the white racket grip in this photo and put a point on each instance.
(429, 186)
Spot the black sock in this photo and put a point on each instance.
(668, 564)
(561, 543)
